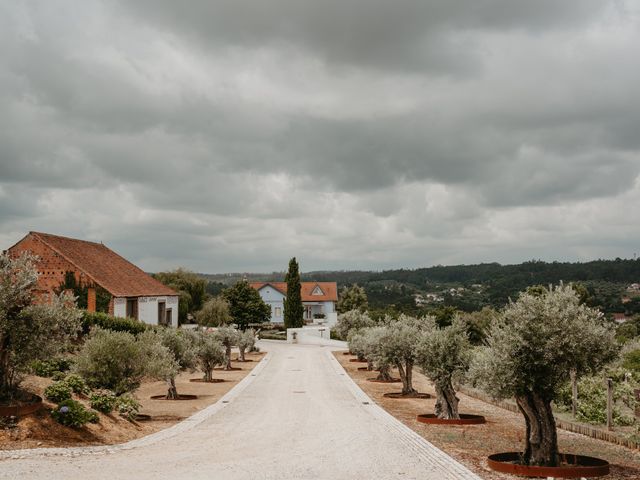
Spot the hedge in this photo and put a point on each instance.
(118, 324)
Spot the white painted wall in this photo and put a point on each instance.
(148, 308)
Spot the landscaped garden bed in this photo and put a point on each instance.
(502, 432)
(41, 430)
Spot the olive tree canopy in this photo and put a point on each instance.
(531, 349)
(443, 355)
(29, 331)
(352, 320)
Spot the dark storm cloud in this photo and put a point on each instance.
(368, 130)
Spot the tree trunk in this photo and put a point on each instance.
(369, 365)
(406, 375)
(241, 354)
(172, 392)
(574, 391)
(384, 375)
(541, 446)
(446, 401)
(227, 365)
(208, 376)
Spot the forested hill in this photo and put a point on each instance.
(603, 278)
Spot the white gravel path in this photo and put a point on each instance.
(297, 416)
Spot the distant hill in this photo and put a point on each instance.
(486, 284)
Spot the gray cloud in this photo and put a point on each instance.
(230, 136)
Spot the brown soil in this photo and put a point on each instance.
(40, 430)
(503, 432)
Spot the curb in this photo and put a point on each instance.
(185, 425)
(446, 466)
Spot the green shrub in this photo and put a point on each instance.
(73, 414)
(127, 406)
(117, 324)
(49, 368)
(58, 376)
(58, 392)
(103, 401)
(77, 384)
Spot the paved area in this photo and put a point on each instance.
(297, 416)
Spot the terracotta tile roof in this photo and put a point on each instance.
(329, 290)
(118, 276)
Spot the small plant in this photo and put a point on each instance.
(58, 392)
(73, 414)
(50, 368)
(127, 406)
(77, 384)
(103, 401)
(58, 376)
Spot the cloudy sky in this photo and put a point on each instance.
(226, 135)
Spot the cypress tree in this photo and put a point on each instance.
(293, 309)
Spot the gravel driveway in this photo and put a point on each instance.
(297, 417)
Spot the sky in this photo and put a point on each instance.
(229, 136)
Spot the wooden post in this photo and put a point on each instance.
(574, 392)
(609, 404)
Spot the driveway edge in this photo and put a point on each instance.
(183, 426)
(423, 449)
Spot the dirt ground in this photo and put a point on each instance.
(471, 444)
(40, 430)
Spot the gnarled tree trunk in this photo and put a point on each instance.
(385, 374)
(541, 446)
(172, 392)
(446, 401)
(241, 354)
(227, 357)
(208, 375)
(406, 375)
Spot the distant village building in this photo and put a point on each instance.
(620, 317)
(133, 293)
(318, 299)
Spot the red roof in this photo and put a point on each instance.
(118, 276)
(328, 290)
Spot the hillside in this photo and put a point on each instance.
(470, 287)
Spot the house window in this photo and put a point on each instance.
(277, 312)
(317, 291)
(132, 308)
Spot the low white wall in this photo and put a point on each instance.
(308, 334)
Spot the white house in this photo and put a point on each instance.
(318, 299)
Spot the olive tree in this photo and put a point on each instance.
(371, 345)
(530, 351)
(228, 337)
(29, 331)
(246, 341)
(356, 342)
(399, 346)
(209, 353)
(443, 355)
(352, 320)
(181, 345)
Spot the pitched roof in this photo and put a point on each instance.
(105, 267)
(329, 290)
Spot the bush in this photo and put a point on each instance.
(58, 392)
(77, 384)
(103, 401)
(48, 368)
(116, 361)
(107, 322)
(58, 376)
(127, 406)
(73, 414)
